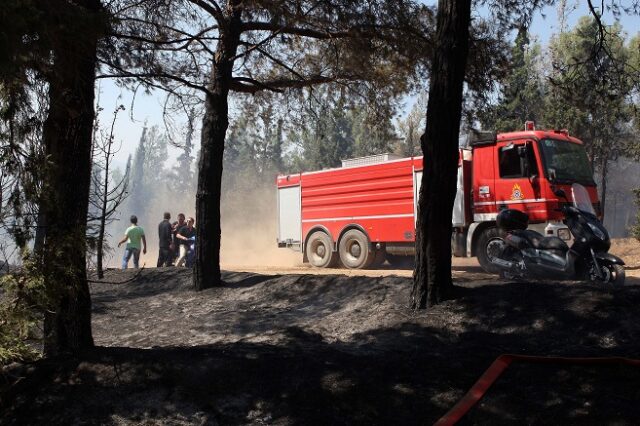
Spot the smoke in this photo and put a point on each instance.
(249, 225)
(620, 209)
(249, 228)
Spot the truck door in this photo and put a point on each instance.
(289, 217)
(517, 184)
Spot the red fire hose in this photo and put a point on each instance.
(501, 363)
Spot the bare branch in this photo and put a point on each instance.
(145, 76)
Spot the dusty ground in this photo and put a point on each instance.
(287, 346)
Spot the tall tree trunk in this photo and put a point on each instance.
(67, 140)
(214, 130)
(432, 281)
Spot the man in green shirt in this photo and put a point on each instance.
(132, 236)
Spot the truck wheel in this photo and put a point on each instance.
(490, 244)
(319, 250)
(355, 250)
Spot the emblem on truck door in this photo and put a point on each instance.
(516, 193)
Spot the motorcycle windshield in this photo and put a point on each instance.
(581, 199)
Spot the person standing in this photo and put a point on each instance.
(165, 238)
(186, 236)
(132, 236)
(175, 250)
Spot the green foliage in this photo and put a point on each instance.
(591, 87)
(23, 299)
(255, 140)
(148, 176)
(522, 92)
(372, 131)
(412, 127)
(325, 136)
(334, 125)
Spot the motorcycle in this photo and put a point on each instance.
(528, 254)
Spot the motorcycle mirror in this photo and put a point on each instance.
(560, 193)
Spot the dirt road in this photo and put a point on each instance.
(462, 268)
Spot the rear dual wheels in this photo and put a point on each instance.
(355, 250)
(319, 250)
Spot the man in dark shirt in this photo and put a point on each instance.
(165, 241)
(185, 236)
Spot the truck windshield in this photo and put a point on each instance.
(566, 162)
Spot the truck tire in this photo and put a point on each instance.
(355, 250)
(488, 243)
(319, 250)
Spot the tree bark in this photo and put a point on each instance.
(432, 282)
(214, 129)
(67, 136)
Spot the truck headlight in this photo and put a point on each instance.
(564, 234)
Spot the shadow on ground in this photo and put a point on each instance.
(409, 369)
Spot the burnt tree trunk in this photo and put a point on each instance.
(214, 130)
(67, 137)
(432, 281)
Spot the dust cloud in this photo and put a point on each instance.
(249, 227)
(249, 230)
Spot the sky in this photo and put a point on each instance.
(147, 108)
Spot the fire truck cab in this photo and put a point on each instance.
(364, 212)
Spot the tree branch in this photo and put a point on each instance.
(212, 8)
(249, 85)
(304, 32)
(146, 75)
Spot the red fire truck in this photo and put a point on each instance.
(365, 212)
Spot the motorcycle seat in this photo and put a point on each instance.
(541, 242)
(533, 237)
(553, 243)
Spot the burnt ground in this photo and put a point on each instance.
(335, 349)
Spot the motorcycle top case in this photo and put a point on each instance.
(511, 220)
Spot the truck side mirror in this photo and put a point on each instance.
(522, 151)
